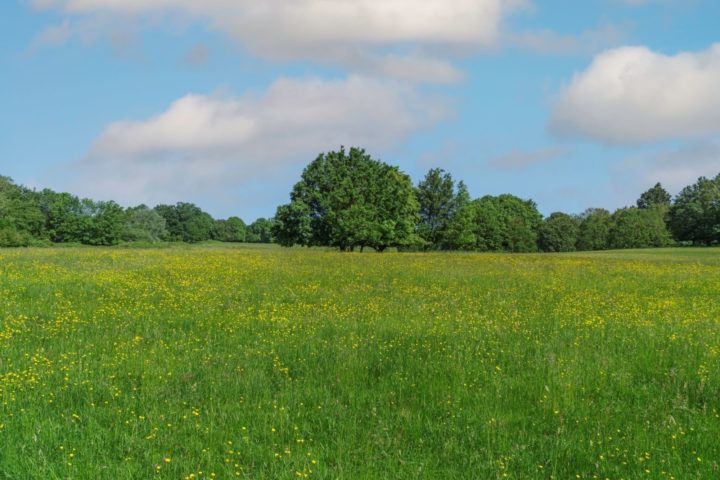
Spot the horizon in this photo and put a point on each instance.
(572, 106)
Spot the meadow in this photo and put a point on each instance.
(263, 363)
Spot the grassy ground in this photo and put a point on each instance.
(219, 362)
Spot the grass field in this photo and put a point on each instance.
(221, 362)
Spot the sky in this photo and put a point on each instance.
(223, 102)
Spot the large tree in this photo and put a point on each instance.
(65, 216)
(260, 231)
(292, 225)
(638, 228)
(558, 233)
(460, 233)
(436, 197)
(103, 223)
(20, 216)
(657, 196)
(186, 222)
(695, 215)
(350, 200)
(506, 223)
(144, 224)
(445, 212)
(594, 229)
(231, 230)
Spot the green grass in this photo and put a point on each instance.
(240, 362)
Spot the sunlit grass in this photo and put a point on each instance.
(221, 362)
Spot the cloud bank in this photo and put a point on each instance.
(387, 37)
(208, 143)
(633, 95)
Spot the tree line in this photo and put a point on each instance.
(348, 200)
(36, 218)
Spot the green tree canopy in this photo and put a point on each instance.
(20, 216)
(436, 198)
(638, 228)
(695, 215)
(292, 224)
(186, 222)
(594, 229)
(656, 196)
(506, 223)
(558, 233)
(351, 200)
(103, 223)
(460, 234)
(144, 224)
(65, 216)
(445, 215)
(231, 230)
(260, 231)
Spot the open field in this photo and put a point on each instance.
(221, 362)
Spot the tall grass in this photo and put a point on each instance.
(220, 362)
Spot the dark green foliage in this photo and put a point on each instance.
(350, 200)
(506, 223)
(695, 216)
(445, 218)
(436, 198)
(28, 217)
(594, 229)
(292, 224)
(142, 224)
(656, 196)
(260, 231)
(103, 223)
(231, 230)
(19, 212)
(460, 233)
(64, 214)
(69, 219)
(489, 231)
(11, 237)
(558, 233)
(186, 222)
(638, 228)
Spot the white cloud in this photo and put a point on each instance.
(634, 95)
(207, 145)
(336, 31)
(311, 23)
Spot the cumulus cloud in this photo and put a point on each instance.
(306, 24)
(204, 145)
(634, 95)
(331, 30)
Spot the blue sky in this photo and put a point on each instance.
(223, 102)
